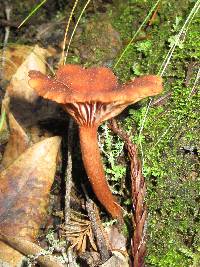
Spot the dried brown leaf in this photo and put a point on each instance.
(80, 241)
(18, 86)
(83, 246)
(25, 187)
(14, 56)
(78, 231)
(18, 142)
(91, 239)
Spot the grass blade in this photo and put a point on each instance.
(32, 13)
(136, 33)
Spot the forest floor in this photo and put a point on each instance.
(165, 128)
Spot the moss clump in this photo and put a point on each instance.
(170, 137)
(96, 42)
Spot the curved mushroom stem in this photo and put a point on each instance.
(94, 169)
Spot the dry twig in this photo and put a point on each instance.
(68, 171)
(29, 248)
(7, 33)
(98, 230)
(5, 23)
(138, 196)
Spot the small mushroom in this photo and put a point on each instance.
(92, 96)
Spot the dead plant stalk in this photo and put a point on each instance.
(138, 198)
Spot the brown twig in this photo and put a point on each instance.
(138, 196)
(7, 33)
(28, 248)
(5, 23)
(98, 230)
(154, 15)
(161, 100)
(68, 171)
(140, 214)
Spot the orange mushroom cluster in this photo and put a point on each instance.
(92, 96)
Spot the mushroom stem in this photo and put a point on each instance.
(94, 169)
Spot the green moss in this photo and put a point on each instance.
(170, 137)
(96, 42)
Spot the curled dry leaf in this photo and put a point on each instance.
(18, 86)
(21, 99)
(25, 187)
(18, 142)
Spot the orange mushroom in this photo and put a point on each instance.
(92, 96)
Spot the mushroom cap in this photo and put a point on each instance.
(73, 84)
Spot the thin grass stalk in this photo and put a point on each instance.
(63, 59)
(33, 11)
(136, 33)
(168, 57)
(183, 30)
(75, 27)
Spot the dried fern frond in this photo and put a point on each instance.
(79, 232)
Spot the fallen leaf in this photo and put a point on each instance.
(22, 101)
(18, 142)
(25, 187)
(4, 132)
(79, 232)
(14, 55)
(18, 86)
